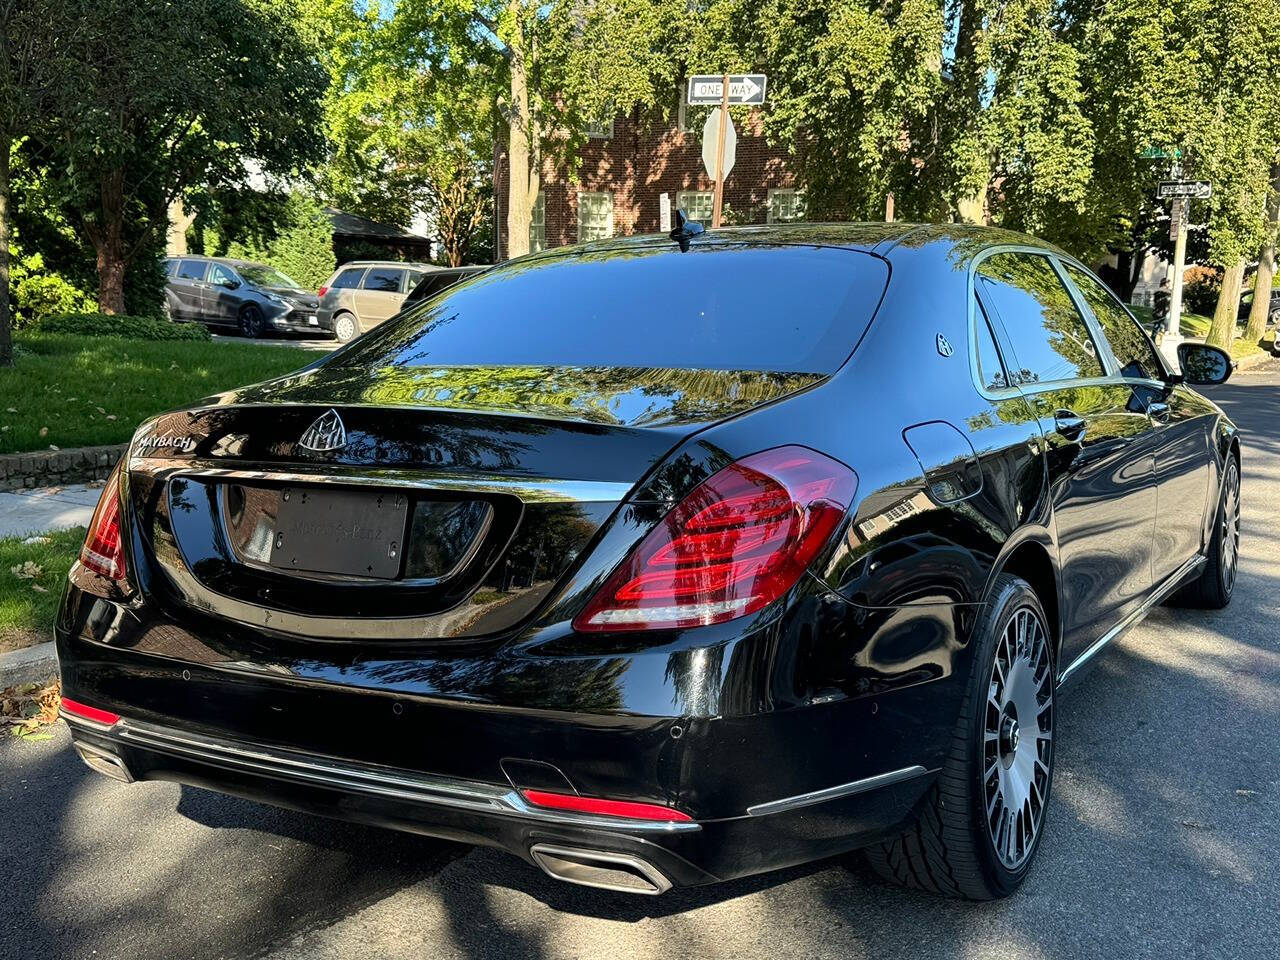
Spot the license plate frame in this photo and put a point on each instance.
(343, 533)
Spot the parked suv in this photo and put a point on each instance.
(438, 281)
(252, 297)
(363, 293)
(1273, 308)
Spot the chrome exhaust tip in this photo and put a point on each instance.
(604, 870)
(103, 761)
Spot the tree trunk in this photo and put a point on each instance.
(1223, 329)
(1261, 308)
(108, 243)
(522, 172)
(1259, 312)
(6, 337)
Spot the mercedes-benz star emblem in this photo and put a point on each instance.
(326, 434)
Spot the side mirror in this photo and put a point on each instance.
(231, 284)
(1204, 365)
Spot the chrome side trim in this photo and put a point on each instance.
(1170, 584)
(528, 489)
(557, 863)
(387, 782)
(832, 793)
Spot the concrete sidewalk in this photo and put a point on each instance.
(49, 508)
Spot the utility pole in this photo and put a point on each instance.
(724, 120)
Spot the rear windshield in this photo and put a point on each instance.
(782, 308)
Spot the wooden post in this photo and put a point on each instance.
(724, 122)
(888, 208)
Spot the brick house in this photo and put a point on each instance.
(629, 164)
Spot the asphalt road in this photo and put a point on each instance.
(1163, 838)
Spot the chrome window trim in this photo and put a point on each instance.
(388, 782)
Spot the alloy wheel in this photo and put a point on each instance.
(1017, 745)
(1230, 526)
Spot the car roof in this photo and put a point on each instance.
(388, 263)
(869, 237)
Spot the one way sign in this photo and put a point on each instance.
(743, 88)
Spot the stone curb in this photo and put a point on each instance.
(28, 665)
(53, 468)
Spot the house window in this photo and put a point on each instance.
(600, 131)
(595, 215)
(538, 224)
(696, 204)
(786, 205)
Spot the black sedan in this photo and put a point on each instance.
(666, 560)
(238, 294)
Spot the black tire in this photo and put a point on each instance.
(345, 327)
(950, 848)
(252, 323)
(1212, 590)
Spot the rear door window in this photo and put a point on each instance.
(384, 279)
(779, 308)
(413, 276)
(192, 269)
(347, 279)
(1049, 336)
(1132, 349)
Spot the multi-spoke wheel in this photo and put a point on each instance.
(980, 825)
(1017, 741)
(1217, 581)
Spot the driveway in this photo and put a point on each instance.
(1163, 838)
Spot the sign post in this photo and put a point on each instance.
(1180, 192)
(724, 90)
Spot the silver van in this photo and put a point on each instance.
(363, 293)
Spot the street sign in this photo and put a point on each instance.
(710, 136)
(743, 88)
(1176, 216)
(1171, 189)
(1156, 153)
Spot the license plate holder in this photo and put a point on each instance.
(351, 533)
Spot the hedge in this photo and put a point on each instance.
(120, 325)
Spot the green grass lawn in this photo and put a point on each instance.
(28, 603)
(1192, 324)
(70, 391)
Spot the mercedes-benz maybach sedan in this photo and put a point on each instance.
(665, 560)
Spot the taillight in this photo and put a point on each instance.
(738, 542)
(322, 291)
(103, 550)
(86, 712)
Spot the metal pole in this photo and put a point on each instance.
(724, 121)
(1173, 324)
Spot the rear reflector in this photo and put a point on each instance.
(86, 712)
(738, 542)
(604, 808)
(103, 550)
(322, 291)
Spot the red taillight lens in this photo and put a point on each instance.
(103, 550)
(735, 544)
(322, 291)
(606, 808)
(86, 712)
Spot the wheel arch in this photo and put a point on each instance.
(1032, 560)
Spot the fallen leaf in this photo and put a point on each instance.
(54, 447)
(44, 431)
(12, 409)
(27, 570)
(99, 409)
(38, 589)
(32, 540)
(111, 416)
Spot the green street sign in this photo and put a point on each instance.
(1157, 153)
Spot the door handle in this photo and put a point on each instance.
(1067, 423)
(1158, 412)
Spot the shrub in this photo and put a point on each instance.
(38, 292)
(1200, 287)
(120, 325)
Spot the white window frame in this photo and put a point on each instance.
(779, 192)
(594, 195)
(705, 200)
(538, 224)
(600, 131)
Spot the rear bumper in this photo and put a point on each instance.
(438, 740)
(646, 856)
